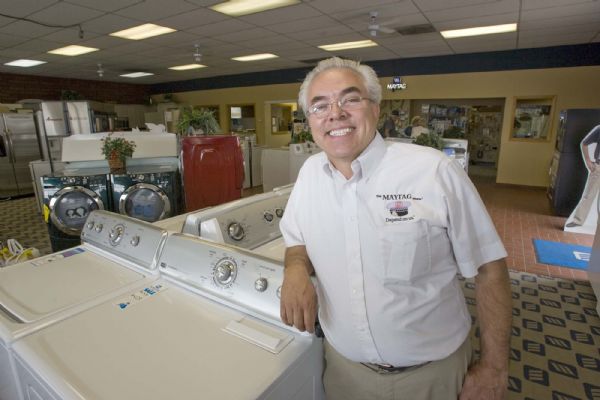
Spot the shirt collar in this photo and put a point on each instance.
(366, 162)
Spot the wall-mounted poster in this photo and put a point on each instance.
(585, 216)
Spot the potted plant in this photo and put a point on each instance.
(116, 150)
(429, 139)
(197, 121)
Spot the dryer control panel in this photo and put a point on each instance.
(125, 237)
(241, 279)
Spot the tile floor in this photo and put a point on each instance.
(522, 214)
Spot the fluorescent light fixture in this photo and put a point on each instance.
(235, 8)
(255, 57)
(480, 30)
(142, 32)
(24, 63)
(348, 45)
(73, 50)
(187, 66)
(136, 74)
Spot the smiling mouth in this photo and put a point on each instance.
(340, 132)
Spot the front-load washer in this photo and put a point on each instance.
(251, 223)
(117, 254)
(208, 329)
(69, 197)
(147, 192)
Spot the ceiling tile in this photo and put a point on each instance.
(67, 14)
(280, 15)
(192, 19)
(429, 5)
(30, 30)
(154, 10)
(109, 23)
(105, 5)
(221, 28)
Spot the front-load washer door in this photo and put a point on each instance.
(70, 207)
(146, 202)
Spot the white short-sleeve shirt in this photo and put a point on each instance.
(386, 246)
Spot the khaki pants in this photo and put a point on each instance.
(438, 380)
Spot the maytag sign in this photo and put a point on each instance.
(396, 84)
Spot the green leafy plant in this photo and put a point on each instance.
(454, 132)
(430, 140)
(201, 119)
(117, 148)
(301, 137)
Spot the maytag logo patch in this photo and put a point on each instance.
(398, 208)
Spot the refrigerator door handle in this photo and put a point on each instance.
(3, 152)
(10, 145)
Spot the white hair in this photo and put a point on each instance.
(366, 73)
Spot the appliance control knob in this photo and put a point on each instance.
(278, 292)
(115, 235)
(99, 228)
(261, 284)
(236, 231)
(90, 225)
(134, 240)
(268, 216)
(225, 272)
(279, 212)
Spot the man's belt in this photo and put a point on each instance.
(390, 369)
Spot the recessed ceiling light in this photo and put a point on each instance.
(348, 45)
(142, 32)
(136, 74)
(480, 30)
(235, 8)
(187, 66)
(73, 50)
(255, 57)
(24, 63)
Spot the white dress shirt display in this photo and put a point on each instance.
(386, 246)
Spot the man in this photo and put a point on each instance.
(385, 229)
(592, 185)
(389, 126)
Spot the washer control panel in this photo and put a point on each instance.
(236, 277)
(125, 237)
(247, 223)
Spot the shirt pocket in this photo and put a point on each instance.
(405, 250)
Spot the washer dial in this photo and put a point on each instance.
(225, 272)
(235, 230)
(116, 234)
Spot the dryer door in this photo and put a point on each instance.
(70, 206)
(146, 202)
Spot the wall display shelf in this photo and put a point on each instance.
(532, 118)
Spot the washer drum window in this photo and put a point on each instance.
(146, 202)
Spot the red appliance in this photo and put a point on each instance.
(213, 170)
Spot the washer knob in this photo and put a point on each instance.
(115, 235)
(225, 272)
(236, 231)
(99, 228)
(90, 225)
(268, 216)
(261, 284)
(278, 292)
(134, 240)
(279, 212)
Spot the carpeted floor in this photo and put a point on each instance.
(20, 220)
(555, 344)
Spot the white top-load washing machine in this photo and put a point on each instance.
(209, 329)
(251, 223)
(117, 254)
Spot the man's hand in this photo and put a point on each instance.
(298, 295)
(484, 382)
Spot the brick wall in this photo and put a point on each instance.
(14, 87)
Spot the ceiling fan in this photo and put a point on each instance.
(375, 28)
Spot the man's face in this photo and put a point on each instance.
(342, 134)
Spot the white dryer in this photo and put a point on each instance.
(117, 254)
(209, 329)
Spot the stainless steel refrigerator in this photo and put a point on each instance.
(568, 173)
(18, 146)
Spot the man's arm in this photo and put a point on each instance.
(298, 297)
(488, 378)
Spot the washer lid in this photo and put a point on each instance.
(46, 285)
(160, 342)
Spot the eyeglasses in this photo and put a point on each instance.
(348, 103)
